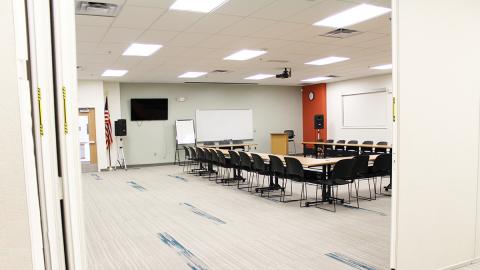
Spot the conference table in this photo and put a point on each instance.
(245, 146)
(318, 165)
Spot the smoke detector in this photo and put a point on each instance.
(96, 8)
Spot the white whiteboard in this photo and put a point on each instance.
(365, 110)
(185, 131)
(217, 125)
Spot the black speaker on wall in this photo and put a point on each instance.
(121, 127)
(318, 121)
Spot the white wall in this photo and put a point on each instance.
(91, 94)
(15, 245)
(438, 86)
(275, 108)
(335, 91)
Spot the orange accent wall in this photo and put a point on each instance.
(310, 108)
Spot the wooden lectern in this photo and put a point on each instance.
(279, 143)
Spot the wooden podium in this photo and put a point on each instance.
(279, 142)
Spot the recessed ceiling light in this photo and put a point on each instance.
(327, 60)
(203, 6)
(317, 79)
(244, 55)
(192, 74)
(352, 16)
(114, 72)
(137, 49)
(387, 66)
(259, 77)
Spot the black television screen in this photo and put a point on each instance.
(149, 109)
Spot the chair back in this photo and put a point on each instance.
(343, 169)
(234, 158)
(187, 152)
(290, 133)
(294, 169)
(339, 147)
(193, 152)
(367, 149)
(208, 155)
(245, 161)
(360, 165)
(381, 150)
(329, 146)
(208, 143)
(382, 164)
(200, 154)
(214, 156)
(258, 163)
(276, 165)
(352, 148)
(221, 158)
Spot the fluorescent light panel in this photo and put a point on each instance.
(317, 79)
(327, 60)
(260, 77)
(192, 74)
(352, 16)
(244, 55)
(387, 66)
(203, 6)
(114, 72)
(137, 49)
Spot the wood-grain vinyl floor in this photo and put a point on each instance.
(180, 221)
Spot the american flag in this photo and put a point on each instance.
(108, 126)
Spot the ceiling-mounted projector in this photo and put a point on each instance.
(287, 73)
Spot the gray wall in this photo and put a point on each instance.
(275, 108)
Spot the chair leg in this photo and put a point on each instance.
(334, 200)
(356, 190)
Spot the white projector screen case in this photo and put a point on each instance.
(217, 125)
(365, 110)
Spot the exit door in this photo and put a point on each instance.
(88, 143)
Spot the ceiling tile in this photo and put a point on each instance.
(157, 37)
(220, 41)
(174, 20)
(150, 3)
(213, 23)
(247, 26)
(91, 34)
(98, 21)
(320, 11)
(281, 9)
(122, 35)
(137, 17)
(242, 7)
(187, 39)
(277, 29)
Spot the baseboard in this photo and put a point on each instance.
(462, 264)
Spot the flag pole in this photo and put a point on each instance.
(109, 160)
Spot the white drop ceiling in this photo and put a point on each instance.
(199, 42)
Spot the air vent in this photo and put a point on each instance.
(221, 71)
(96, 9)
(341, 33)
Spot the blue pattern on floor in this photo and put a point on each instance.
(178, 177)
(136, 186)
(350, 261)
(192, 261)
(203, 213)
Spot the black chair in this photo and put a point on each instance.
(277, 171)
(224, 168)
(341, 174)
(360, 170)
(381, 150)
(365, 149)
(338, 150)
(351, 150)
(215, 162)
(291, 138)
(294, 172)
(188, 158)
(382, 166)
(328, 149)
(201, 170)
(259, 168)
(236, 166)
(247, 166)
(193, 155)
(209, 162)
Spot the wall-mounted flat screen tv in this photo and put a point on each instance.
(148, 109)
